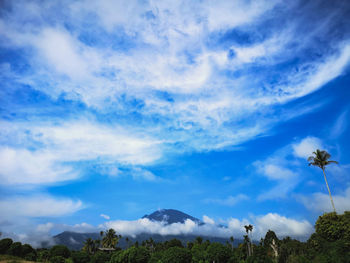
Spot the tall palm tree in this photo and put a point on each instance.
(110, 238)
(321, 159)
(89, 246)
(231, 241)
(250, 228)
(247, 240)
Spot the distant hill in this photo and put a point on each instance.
(75, 241)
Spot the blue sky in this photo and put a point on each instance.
(113, 109)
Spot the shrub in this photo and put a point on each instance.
(80, 257)
(5, 244)
(176, 255)
(139, 255)
(26, 250)
(59, 250)
(57, 259)
(15, 249)
(100, 257)
(218, 252)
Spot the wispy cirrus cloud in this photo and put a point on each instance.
(229, 201)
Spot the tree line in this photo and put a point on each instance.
(329, 243)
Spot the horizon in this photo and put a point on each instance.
(116, 109)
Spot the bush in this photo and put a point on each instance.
(57, 259)
(80, 257)
(15, 249)
(138, 255)
(5, 244)
(218, 252)
(100, 257)
(176, 255)
(121, 256)
(59, 250)
(26, 250)
(43, 255)
(30, 256)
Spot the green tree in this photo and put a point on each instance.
(176, 255)
(57, 259)
(59, 250)
(80, 257)
(100, 257)
(218, 253)
(28, 252)
(89, 246)
(109, 238)
(199, 253)
(5, 244)
(15, 249)
(321, 159)
(138, 255)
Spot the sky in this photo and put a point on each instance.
(110, 110)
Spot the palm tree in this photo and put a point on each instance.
(231, 241)
(247, 240)
(321, 159)
(89, 246)
(110, 238)
(250, 228)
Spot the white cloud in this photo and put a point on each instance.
(208, 220)
(21, 166)
(56, 145)
(229, 201)
(105, 216)
(320, 202)
(283, 226)
(61, 52)
(306, 147)
(223, 15)
(38, 206)
(143, 174)
(340, 125)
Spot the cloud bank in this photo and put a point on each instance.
(283, 226)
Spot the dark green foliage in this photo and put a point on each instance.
(26, 250)
(156, 257)
(138, 255)
(100, 257)
(332, 226)
(199, 253)
(59, 250)
(80, 257)
(270, 235)
(5, 244)
(15, 249)
(57, 259)
(218, 252)
(30, 256)
(121, 256)
(260, 255)
(176, 255)
(43, 255)
(289, 248)
(173, 243)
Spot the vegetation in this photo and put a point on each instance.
(321, 159)
(329, 243)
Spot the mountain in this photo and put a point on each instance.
(75, 241)
(171, 216)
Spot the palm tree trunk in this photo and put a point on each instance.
(329, 191)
